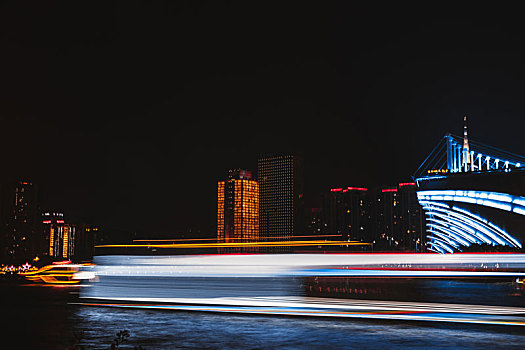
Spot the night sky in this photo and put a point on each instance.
(129, 113)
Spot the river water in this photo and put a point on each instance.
(44, 317)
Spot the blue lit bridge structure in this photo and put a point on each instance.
(452, 155)
(473, 196)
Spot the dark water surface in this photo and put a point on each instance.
(41, 317)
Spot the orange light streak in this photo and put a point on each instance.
(250, 244)
(214, 239)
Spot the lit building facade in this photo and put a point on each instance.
(238, 208)
(59, 235)
(281, 214)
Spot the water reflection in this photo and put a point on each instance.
(158, 329)
(42, 317)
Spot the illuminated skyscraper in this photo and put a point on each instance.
(280, 192)
(59, 236)
(238, 208)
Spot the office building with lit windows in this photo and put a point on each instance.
(280, 180)
(238, 208)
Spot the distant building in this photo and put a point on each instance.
(399, 218)
(87, 236)
(238, 208)
(281, 214)
(411, 218)
(20, 225)
(387, 202)
(347, 213)
(59, 235)
(51, 220)
(315, 222)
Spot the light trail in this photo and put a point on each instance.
(239, 244)
(215, 239)
(278, 284)
(59, 273)
(346, 308)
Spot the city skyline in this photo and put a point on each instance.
(107, 129)
(270, 207)
(234, 174)
(313, 200)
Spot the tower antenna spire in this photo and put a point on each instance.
(466, 148)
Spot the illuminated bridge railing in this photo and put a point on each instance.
(450, 156)
(451, 228)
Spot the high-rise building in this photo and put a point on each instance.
(238, 208)
(86, 237)
(387, 215)
(400, 219)
(280, 193)
(21, 239)
(51, 220)
(59, 235)
(315, 222)
(411, 218)
(347, 213)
